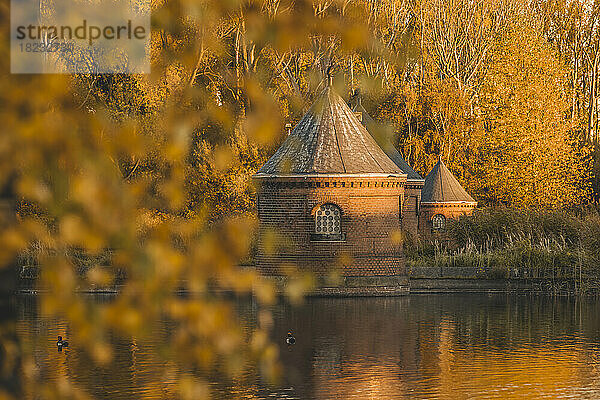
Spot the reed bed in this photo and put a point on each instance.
(509, 243)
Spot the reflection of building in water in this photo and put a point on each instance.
(364, 379)
(520, 373)
(446, 358)
(327, 358)
(435, 347)
(493, 354)
(380, 348)
(349, 348)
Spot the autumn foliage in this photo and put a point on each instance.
(153, 171)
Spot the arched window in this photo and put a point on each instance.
(439, 222)
(328, 220)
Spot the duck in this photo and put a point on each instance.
(290, 339)
(60, 343)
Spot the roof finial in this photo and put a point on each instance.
(329, 75)
(357, 96)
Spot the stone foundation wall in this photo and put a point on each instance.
(556, 287)
(357, 286)
(446, 272)
(354, 286)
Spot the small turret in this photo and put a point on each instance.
(443, 197)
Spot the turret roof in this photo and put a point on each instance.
(442, 187)
(329, 139)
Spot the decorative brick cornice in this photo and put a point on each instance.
(379, 182)
(449, 205)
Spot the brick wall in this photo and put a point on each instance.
(410, 209)
(370, 215)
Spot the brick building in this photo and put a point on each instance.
(331, 195)
(442, 198)
(335, 195)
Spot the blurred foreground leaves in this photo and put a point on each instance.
(146, 179)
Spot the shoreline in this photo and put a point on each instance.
(415, 286)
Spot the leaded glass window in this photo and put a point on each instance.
(328, 220)
(439, 222)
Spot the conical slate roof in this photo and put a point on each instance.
(442, 187)
(385, 143)
(329, 139)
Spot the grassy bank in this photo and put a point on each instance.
(508, 243)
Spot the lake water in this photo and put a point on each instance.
(418, 346)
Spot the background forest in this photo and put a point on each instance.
(506, 91)
(148, 176)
